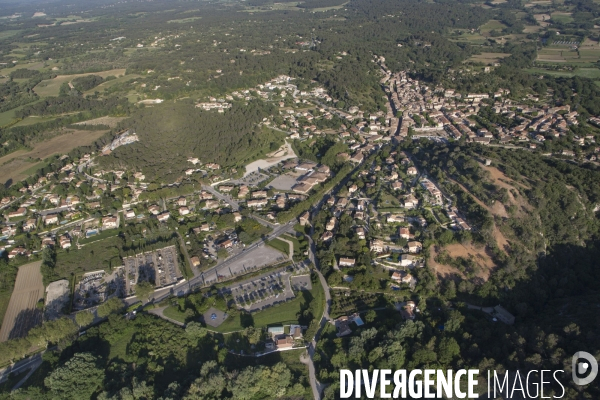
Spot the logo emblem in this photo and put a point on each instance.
(582, 363)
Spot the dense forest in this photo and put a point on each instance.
(171, 133)
(170, 363)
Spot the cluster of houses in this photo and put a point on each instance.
(279, 340)
(434, 111)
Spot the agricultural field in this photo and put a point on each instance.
(543, 19)
(106, 85)
(591, 73)
(568, 55)
(108, 121)
(9, 33)
(184, 20)
(562, 17)
(465, 36)
(18, 165)
(51, 87)
(23, 312)
(491, 25)
(488, 58)
(34, 119)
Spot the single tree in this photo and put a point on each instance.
(143, 290)
(84, 318)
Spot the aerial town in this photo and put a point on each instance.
(207, 217)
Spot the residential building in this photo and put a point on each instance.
(415, 247)
(163, 217)
(331, 224)
(50, 219)
(377, 246)
(347, 262)
(404, 232)
(110, 222)
(184, 210)
(304, 218)
(21, 212)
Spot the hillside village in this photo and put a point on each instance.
(374, 203)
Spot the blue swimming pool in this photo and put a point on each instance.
(91, 232)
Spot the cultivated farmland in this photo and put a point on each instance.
(51, 87)
(23, 313)
(22, 163)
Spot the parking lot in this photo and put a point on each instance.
(285, 181)
(252, 179)
(301, 282)
(249, 260)
(263, 291)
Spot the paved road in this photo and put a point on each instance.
(20, 366)
(54, 210)
(227, 199)
(316, 386)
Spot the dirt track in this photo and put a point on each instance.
(22, 313)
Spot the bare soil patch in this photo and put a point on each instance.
(481, 256)
(108, 121)
(22, 313)
(499, 179)
(499, 210)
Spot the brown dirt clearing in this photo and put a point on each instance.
(499, 179)
(499, 210)
(108, 121)
(481, 256)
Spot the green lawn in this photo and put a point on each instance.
(35, 120)
(279, 245)
(281, 314)
(118, 347)
(94, 256)
(9, 33)
(100, 236)
(174, 313)
(591, 73)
